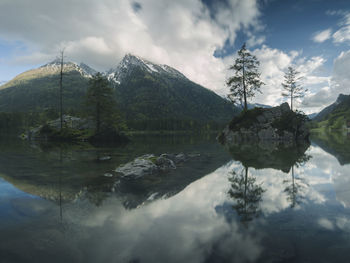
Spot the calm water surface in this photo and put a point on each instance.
(250, 204)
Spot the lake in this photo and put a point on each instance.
(252, 203)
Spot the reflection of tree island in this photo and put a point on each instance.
(246, 193)
(270, 155)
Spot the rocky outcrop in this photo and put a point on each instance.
(68, 122)
(272, 124)
(150, 164)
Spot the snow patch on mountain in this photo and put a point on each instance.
(83, 69)
(129, 62)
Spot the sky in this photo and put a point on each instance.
(200, 38)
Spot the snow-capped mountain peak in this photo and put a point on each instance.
(129, 62)
(55, 66)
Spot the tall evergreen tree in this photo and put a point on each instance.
(99, 100)
(246, 80)
(292, 88)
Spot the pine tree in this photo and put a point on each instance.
(246, 80)
(291, 86)
(100, 101)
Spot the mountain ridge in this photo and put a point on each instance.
(144, 91)
(335, 116)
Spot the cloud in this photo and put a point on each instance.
(343, 33)
(255, 41)
(338, 83)
(322, 36)
(182, 34)
(317, 100)
(273, 63)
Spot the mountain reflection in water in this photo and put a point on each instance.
(277, 204)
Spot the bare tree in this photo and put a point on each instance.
(61, 57)
(291, 86)
(246, 80)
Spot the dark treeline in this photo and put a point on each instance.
(18, 122)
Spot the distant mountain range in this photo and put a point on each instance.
(335, 115)
(143, 90)
(37, 89)
(312, 115)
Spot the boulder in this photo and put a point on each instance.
(150, 164)
(139, 167)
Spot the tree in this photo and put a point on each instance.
(292, 89)
(99, 100)
(61, 88)
(246, 80)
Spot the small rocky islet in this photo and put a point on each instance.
(278, 124)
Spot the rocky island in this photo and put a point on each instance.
(277, 124)
(73, 129)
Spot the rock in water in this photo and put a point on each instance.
(150, 164)
(140, 167)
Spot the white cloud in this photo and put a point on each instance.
(322, 36)
(343, 33)
(338, 83)
(183, 34)
(273, 63)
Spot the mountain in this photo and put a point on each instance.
(312, 115)
(37, 89)
(329, 109)
(144, 91)
(335, 115)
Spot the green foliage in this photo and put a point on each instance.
(289, 121)
(246, 80)
(65, 134)
(100, 102)
(245, 119)
(336, 118)
(291, 86)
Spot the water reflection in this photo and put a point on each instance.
(294, 189)
(277, 156)
(66, 173)
(246, 193)
(336, 144)
(204, 217)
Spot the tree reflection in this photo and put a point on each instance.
(296, 185)
(246, 193)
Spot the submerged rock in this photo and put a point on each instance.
(139, 167)
(272, 124)
(150, 164)
(105, 158)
